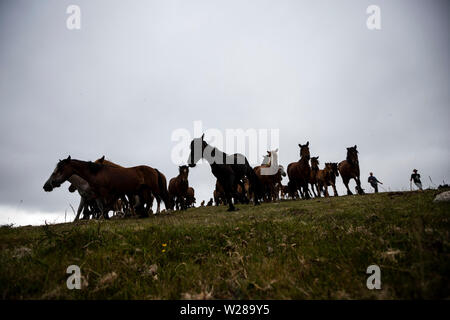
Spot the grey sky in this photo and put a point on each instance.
(138, 70)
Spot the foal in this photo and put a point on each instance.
(313, 175)
(178, 188)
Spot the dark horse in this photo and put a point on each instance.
(299, 172)
(228, 169)
(349, 169)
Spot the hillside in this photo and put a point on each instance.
(315, 249)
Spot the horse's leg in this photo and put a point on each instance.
(242, 195)
(228, 196)
(86, 210)
(358, 183)
(317, 188)
(182, 203)
(102, 208)
(312, 188)
(229, 191)
(80, 208)
(333, 185)
(346, 181)
(292, 189)
(158, 204)
(326, 190)
(299, 189)
(306, 190)
(177, 203)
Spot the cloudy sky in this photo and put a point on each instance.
(137, 71)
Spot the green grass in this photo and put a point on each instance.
(315, 249)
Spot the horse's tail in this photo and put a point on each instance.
(162, 184)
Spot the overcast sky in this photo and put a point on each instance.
(138, 70)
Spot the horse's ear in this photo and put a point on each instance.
(317, 157)
(276, 150)
(300, 145)
(355, 146)
(102, 159)
(94, 167)
(203, 137)
(68, 158)
(307, 143)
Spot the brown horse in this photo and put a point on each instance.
(190, 197)
(313, 175)
(299, 172)
(349, 169)
(109, 183)
(178, 188)
(323, 176)
(128, 206)
(157, 187)
(284, 192)
(333, 175)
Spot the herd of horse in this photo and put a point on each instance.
(105, 186)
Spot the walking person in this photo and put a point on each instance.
(416, 178)
(374, 182)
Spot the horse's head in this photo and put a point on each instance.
(62, 172)
(196, 150)
(184, 172)
(281, 170)
(72, 188)
(352, 154)
(334, 167)
(304, 150)
(315, 162)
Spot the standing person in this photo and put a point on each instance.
(374, 182)
(416, 178)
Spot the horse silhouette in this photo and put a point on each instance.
(349, 169)
(299, 173)
(228, 169)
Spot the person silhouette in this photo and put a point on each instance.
(373, 182)
(416, 178)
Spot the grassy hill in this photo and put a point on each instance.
(315, 249)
